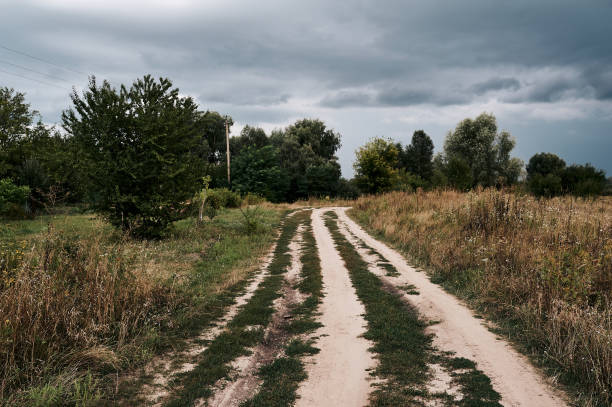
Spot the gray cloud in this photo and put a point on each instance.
(494, 84)
(277, 60)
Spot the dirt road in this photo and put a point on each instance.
(341, 295)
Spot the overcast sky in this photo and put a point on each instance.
(366, 68)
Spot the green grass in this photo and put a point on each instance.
(403, 349)
(281, 378)
(244, 331)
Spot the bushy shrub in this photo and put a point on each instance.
(583, 180)
(545, 185)
(12, 197)
(144, 144)
(347, 189)
(226, 198)
(407, 181)
(253, 199)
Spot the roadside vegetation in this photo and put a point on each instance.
(281, 378)
(82, 302)
(403, 348)
(541, 268)
(244, 331)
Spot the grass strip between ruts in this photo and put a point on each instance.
(281, 378)
(403, 348)
(244, 331)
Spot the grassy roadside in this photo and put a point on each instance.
(404, 351)
(243, 332)
(281, 378)
(135, 299)
(541, 269)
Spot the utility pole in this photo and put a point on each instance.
(229, 183)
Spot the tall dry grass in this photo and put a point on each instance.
(72, 302)
(543, 268)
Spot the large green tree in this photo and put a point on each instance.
(307, 152)
(18, 122)
(376, 165)
(258, 170)
(144, 144)
(417, 156)
(476, 143)
(544, 174)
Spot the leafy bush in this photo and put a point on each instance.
(226, 198)
(347, 189)
(12, 197)
(253, 199)
(407, 181)
(545, 185)
(252, 223)
(145, 148)
(212, 204)
(583, 180)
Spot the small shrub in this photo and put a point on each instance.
(227, 198)
(253, 199)
(252, 220)
(12, 197)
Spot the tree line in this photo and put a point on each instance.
(474, 154)
(142, 155)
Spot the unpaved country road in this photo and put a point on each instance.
(337, 375)
(517, 381)
(343, 372)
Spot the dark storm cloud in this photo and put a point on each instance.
(496, 84)
(271, 61)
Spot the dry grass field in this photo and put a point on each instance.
(81, 303)
(541, 268)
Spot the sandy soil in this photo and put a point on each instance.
(164, 368)
(243, 386)
(517, 381)
(338, 374)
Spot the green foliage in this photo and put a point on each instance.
(225, 198)
(477, 145)
(548, 176)
(252, 220)
(544, 163)
(16, 121)
(258, 170)
(407, 181)
(12, 197)
(307, 156)
(416, 158)
(144, 147)
(458, 173)
(583, 180)
(294, 163)
(347, 189)
(545, 185)
(250, 137)
(375, 166)
(544, 172)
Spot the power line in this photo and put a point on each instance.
(32, 79)
(33, 70)
(40, 59)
